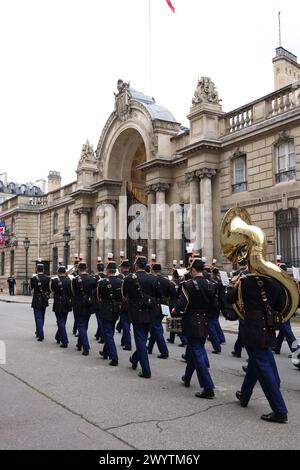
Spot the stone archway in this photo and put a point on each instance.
(127, 154)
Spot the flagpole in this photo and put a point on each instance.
(150, 50)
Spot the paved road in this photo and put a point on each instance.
(58, 399)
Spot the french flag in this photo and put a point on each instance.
(171, 6)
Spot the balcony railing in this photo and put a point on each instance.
(288, 175)
(239, 187)
(272, 105)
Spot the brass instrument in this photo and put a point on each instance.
(240, 240)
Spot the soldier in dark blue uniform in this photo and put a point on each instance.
(40, 285)
(167, 295)
(61, 288)
(140, 290)
(196, 301)
(213, 323)
(124, 318)
(83, 286)
(259, 337)
(110, 298)
(100, 274)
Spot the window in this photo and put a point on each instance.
(67, 218)
(288, 240)
(54, 260)
(12, 262)
(286, 163)
(2, 263)
(55, 223)
(239, 174)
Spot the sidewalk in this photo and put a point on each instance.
(17, 299)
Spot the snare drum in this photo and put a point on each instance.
(174, 325)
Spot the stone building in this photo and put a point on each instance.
(249, 157)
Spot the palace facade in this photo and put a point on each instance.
(249, 157)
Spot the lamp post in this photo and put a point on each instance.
(181, 220)
(26, 243)
(66, 238)
(90, 235)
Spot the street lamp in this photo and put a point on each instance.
(26, 243)
(90, 235)
(181, 220)
(66, 238)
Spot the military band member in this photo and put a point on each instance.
(196, 301)
(100, 274)
(259, 337)
(40, 285)
(177, 283)
(166, 295)
(61, 288)
(83, 287)
(124, 317)
(110, 298)
(139, 289)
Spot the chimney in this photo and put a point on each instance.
(286, 68)
(54, 181)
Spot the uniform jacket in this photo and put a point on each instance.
(110, 298)
(196, 301)
(256, 330)
(83, 287)
(96, 304)
(40, 285)
(62, 294)
(142, 306)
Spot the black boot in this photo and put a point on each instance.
(275, 418)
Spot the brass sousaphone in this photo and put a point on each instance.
(241, 240)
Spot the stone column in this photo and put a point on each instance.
(205, 175)
(110, 226)
(161, 240)
(77, 234)
(151, 220)
(84, 220)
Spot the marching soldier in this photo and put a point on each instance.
(177, 284)
(40, 285)
(124, 318)
(139, 289)
(61, 287)
(110, 297)
(100, 274)
(82, 287)
(166, 293)
(259, 296)
(196, 300)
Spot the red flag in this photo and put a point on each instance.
(171, 6)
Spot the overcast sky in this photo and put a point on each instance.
(61, 59)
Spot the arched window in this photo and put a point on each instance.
(55, 223)
(288, 240)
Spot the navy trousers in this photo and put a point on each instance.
(157, 336)
(109, 331)
(219, 330)
(75, 329)
(196, 346)
(262, 368)
(180, 336)
(100, 330)
(239, 344)
(141, 332)
(82, 326)
(213, 334)
(287, 333)
(191, 367)
(39, 316)
(126, 335)
(61, 335)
